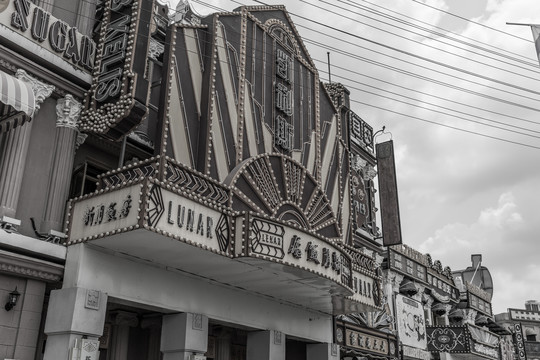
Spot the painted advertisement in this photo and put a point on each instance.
(411, 322)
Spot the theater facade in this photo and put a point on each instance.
(235, 214)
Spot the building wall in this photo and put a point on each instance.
(147, 285)
(19, 328)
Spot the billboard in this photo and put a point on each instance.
(411, 322)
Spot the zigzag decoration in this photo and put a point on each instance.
(187, 180)
(128, 175)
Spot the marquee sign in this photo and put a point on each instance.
(366, 289)
(406, 265)
(416, 265)
(186, 219)
(116, 102)
(411, 322)
(52, 34)
(364, 340)
(479, 304)
(106, 214)
(278, 242)
(415, 353)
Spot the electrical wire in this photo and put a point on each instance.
(265, 4)
(534, 69)
(445, 33)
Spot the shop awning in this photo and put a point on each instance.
(17, 102)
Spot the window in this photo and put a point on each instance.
(85, 177)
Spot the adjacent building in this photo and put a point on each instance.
(524, 327)
(46, 58)
(471, 332)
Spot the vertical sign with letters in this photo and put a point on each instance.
(388, 195)
(116, 102)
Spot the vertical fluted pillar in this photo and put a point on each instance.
(14, 150)
(67, 111)
(12, 161)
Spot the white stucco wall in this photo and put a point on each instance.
(145, 284)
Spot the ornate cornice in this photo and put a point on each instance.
(41, 90)
(81, 138)
(25, 266)
(155, 49)
(68, 111)
(120, 317)
(476, 290)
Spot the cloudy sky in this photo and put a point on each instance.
(458, 91)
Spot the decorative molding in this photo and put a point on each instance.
(25, 266)
(277, 337)
(81, 138)
(184, 15)
(7, 65)
(197, 322)
(151, 322)
(41, 90)
(92, 299)
(155, 49)
(470, 316)
(395, 281)
(334, 349)
(68, 111)
(120, 317)
(476, 290)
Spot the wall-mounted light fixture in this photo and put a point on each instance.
(12, 300)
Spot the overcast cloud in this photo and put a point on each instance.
(459, 193)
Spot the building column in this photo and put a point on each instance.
(73, 313)
(121, 322)
(14, 149)
(428, 302)
(68, 111)
(153, 324)
(265, 345)
(183, 335)
(322, 351)
(223, 345)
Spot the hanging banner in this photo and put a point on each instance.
(388, 194)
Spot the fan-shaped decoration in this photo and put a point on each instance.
(279, 187)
